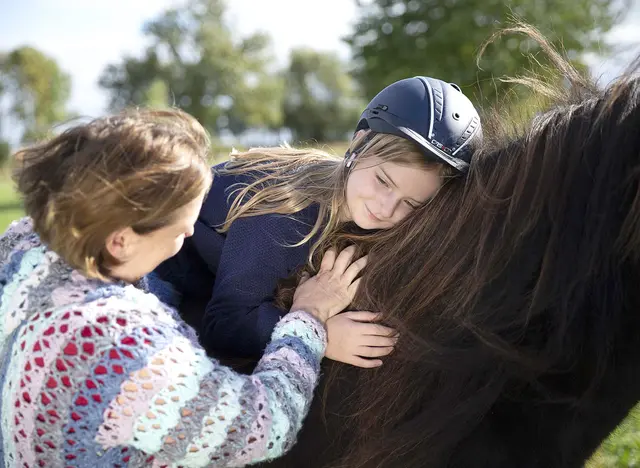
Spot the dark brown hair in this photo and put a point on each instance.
(132, 169)
(503, 284)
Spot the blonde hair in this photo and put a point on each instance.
(136, 169)
(288, 180)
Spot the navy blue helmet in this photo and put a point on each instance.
(433, 114)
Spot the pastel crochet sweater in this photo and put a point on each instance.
(104, 374)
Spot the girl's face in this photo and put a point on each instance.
(381, 194)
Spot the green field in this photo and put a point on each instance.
(10, 205)
(621, 450)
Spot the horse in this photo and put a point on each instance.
(516, 293)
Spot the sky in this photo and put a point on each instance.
(86, 35)
(83, 36)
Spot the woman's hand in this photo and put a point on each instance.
(333, 288)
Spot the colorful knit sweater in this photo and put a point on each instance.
(97, 374)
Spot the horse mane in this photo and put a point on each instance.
(514, 290)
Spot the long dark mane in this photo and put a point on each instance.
(517, 295)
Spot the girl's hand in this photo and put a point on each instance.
(354, 338)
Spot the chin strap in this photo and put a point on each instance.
(350, 156)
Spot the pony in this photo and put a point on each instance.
(516, 293)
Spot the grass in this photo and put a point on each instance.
(621, 449)
(10, 204)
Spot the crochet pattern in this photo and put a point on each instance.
(106, 375)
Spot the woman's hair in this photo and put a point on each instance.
(134, 169)
(503, 284)
(287, 180)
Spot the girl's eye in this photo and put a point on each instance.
(411, 205)
(381, 180)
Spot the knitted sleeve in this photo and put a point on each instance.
(106, 385)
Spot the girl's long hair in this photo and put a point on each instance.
(286, 180)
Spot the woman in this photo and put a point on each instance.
(96, 371)
(270, 209)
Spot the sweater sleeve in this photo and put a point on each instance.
(114, 387)
(237, 419)
(257, 253)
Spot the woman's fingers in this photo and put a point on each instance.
(345, 257)
(355, 268)
(328, 260)
(353, 288)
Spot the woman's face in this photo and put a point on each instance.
(142, 253)
(381, 194)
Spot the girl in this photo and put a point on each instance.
(95, 371)
(270, 209)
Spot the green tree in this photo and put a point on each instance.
(156, 95)
(37, 90)
(321, 102)
(5, 152)
(395, 39)
(199, 65)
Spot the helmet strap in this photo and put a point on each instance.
(350, 156)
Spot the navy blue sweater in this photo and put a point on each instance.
(237, 271)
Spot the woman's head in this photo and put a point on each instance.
(117, 196)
